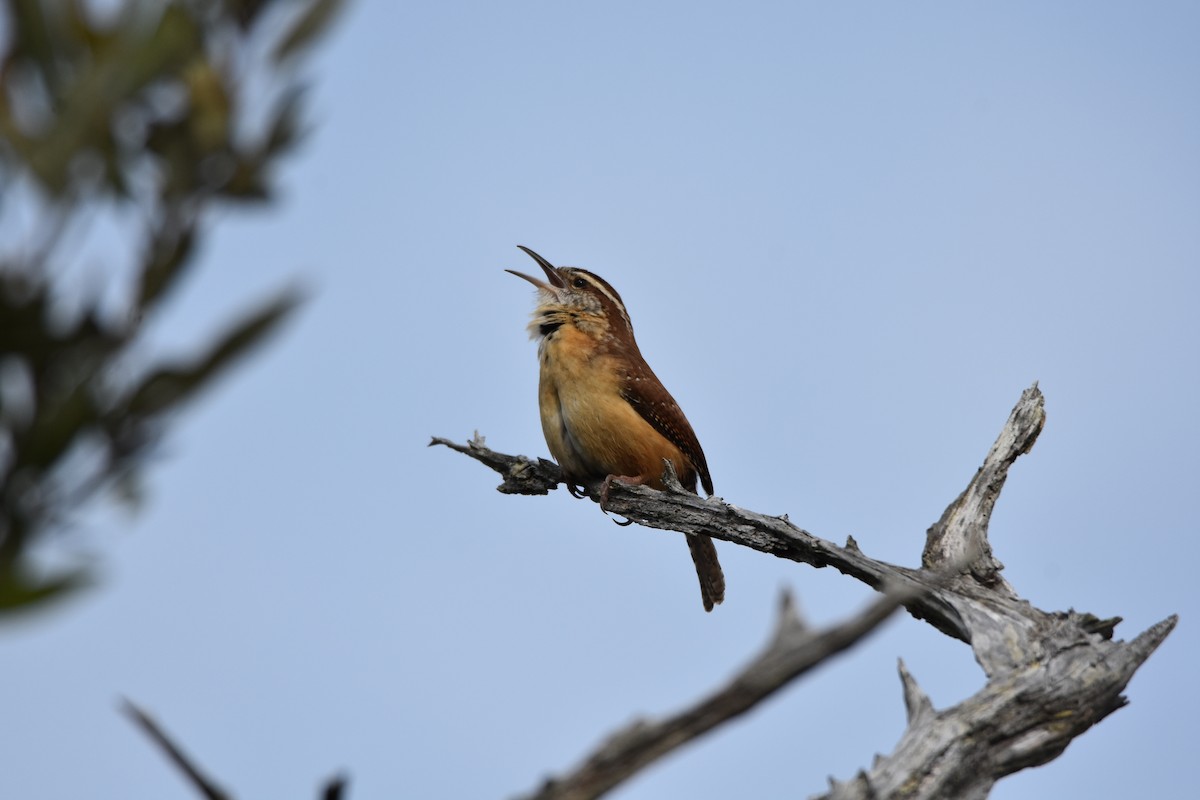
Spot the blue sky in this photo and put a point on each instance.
(849, 235)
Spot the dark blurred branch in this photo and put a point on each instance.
(792, 651)
(206, 787)
(1051, 675)
(333, 789)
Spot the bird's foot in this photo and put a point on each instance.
(629, 480)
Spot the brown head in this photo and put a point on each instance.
(576, 296)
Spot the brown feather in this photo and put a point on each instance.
(708, 570)
(642, 389)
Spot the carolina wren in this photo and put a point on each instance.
(605, 414)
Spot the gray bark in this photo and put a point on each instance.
(1051, 675)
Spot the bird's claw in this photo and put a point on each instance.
(604, 489)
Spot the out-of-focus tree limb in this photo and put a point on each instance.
(203, 784)
(793, 650)
(332, 790)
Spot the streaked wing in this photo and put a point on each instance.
(664, 415)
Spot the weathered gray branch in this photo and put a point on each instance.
(1051, 675)
(1019, 719)
(689, 513)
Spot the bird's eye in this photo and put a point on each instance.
(579, 283)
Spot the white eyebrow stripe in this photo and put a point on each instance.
(603, 288)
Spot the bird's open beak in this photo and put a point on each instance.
(556, 281)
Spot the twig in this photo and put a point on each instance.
(206, 787)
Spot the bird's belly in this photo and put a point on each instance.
(593, 432)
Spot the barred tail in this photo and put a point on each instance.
(708, 570)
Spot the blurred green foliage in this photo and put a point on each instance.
(140, 107)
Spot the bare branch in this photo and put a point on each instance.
(1023, 719)
(965, 522)
(1051, 675)
(916, 703)
(689, 513)
(522, 475)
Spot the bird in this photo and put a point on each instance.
(605, 415)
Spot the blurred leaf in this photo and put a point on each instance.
(31, 38)
(210, 105)
(285, 127)
(77, 21)
(168, 386)
(251, 330)
(130, 491)
(91, 97)
(159, 391)
(23, 303)
(312, 23)
(21, 592)
(57, 427)
(176, 41)
(169, 254)
(246, 182)
(246, 12)
(114, 173)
